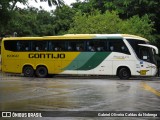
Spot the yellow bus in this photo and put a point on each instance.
(86, 54)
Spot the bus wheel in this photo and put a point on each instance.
(28, 71)
(41, 71)
(124, 73)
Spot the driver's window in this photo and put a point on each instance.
(144, 54)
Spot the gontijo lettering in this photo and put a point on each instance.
(46, 55)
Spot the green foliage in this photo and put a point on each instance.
(31, 22)
(6, 11)
(132, 11)
(95, 23)
(63, 19)
(125, 8)
(141, 26)
(58, 3)
(84, 7)
(109, 23)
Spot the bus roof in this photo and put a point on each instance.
(80, 36)
(133, 37)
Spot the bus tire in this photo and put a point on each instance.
(41, 72)
(28, 71)
(124, 73)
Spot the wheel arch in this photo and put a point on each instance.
(123, 66)
(42, 65)
(25, 65)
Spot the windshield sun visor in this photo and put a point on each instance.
(150, 46)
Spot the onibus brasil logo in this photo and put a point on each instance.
(21, 114)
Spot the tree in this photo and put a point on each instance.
(84, 7)
(31, 22)
(63, 19)
(125, 8)
(6, 10)
(129, 8)
(45, 23)
(109, 23)
(58, 3)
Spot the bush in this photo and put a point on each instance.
(110, 23)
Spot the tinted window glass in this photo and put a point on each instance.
(76, 46)
(10, 45)
(97, 45)
(144, 54)
(23, 46)
(39, 45)
(117, 46)
(134, 44)
(14, 45)
(57, 46)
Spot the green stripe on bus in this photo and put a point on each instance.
(94, 61)
(79, 61)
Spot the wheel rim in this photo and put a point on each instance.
(41, 71)
(125, 74)
(28, 71)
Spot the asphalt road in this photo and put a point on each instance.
(62, 93)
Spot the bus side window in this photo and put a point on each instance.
(12, 45)
(54, 46)
(50, 44)
(96, 45)
(90, 46)
(39, 45)
(37, 48)
(75, 46)
(80, 46)
(118, 46)
(57, 48)
(19, 46)
(23, 45)
(111, 48)
(100, 49)
(69, 48)
(124, 49)
(27, 48)
(100, 45)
